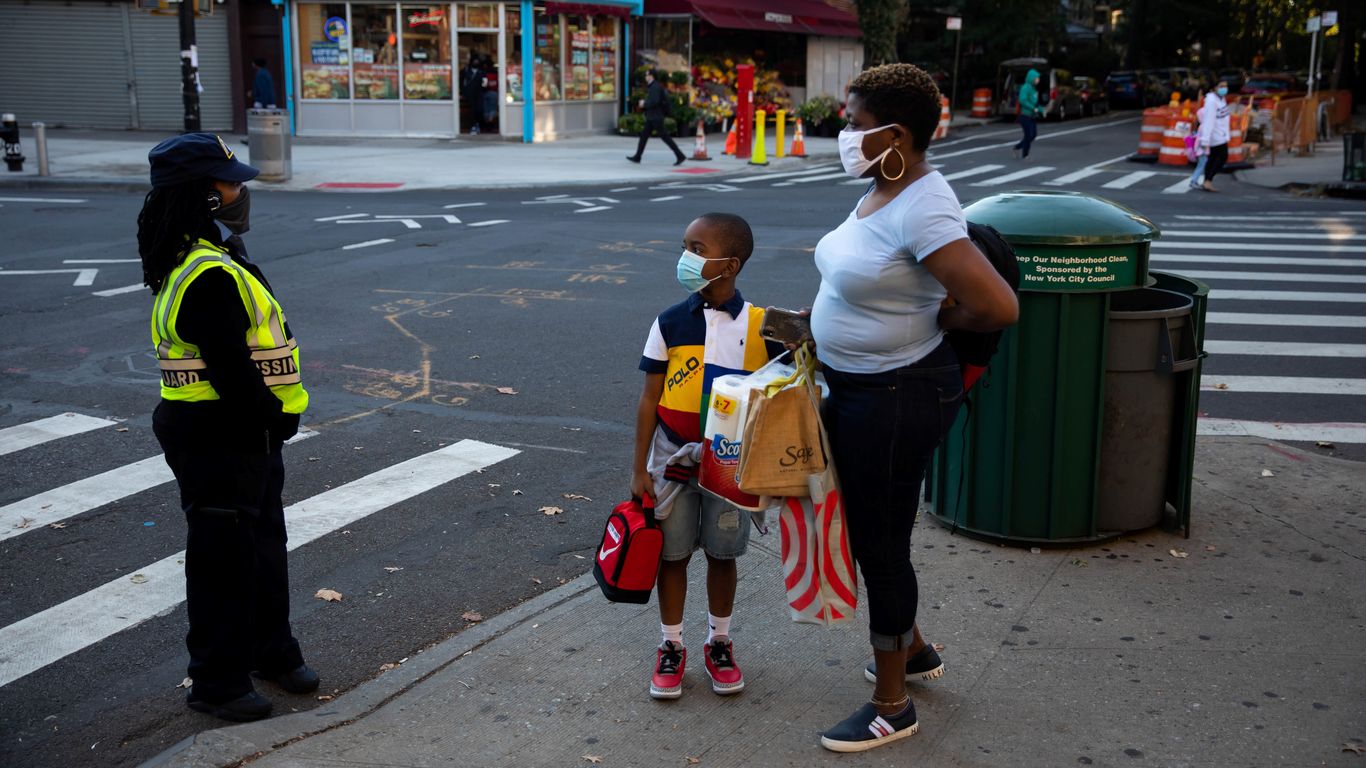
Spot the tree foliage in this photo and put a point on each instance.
(880, 20)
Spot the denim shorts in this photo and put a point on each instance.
(700, 520)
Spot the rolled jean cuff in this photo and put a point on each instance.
(891, 642)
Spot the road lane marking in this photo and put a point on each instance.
(22, 436)
(808, 179)
(1283, 385)
(1332, 432)
(1288, 215)
(1285, 349)
(1279, 277)
(593, 209)
(979, 170)
(665, 198)
(1049, 135)
(1294, 321)
(783, 175)
(623, 189)
(1278, 248)
(462, 205)
(1128, 180)
(101, 261)
(48, 636)
(1016, 176)
(367, 244)
(1318, 297)
(42, 200)
(1073, 177)
(1179, 188)
(1260, 235)
(343, 217)
(84, 276)
(488, 223)
(82, 496)
(1277, 261)
(118, 291)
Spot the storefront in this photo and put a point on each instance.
(407, 69)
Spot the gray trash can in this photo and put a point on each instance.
(268, 143)
(1150, 338)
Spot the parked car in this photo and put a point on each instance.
(1128, 89)
(1176, 79)
(1057, 93)
(1267, 84)
(1093, 99)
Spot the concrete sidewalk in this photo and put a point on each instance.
(1238, 647)
(1322, 168)
(119, 159)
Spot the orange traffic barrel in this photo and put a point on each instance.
(1173, 150)
(981, 103)
(1150, 133)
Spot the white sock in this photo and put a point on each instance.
(717, 626)
(672, 633)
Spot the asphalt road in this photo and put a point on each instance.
(512, 318)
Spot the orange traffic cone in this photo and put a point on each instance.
(942, 130)
(798, 141)
(699, 151)
(730, 142)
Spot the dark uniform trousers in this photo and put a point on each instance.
(237, 580)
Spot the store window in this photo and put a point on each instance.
(549, 52)
(577, 79)
(513, 65)
(374, 52)
(427, 72)
(666, 43)
(325, 51)
(604, 58)
(481, 16)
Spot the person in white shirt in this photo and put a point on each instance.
(895, 384)
(1214, 133)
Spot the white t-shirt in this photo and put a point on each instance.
(878, 306)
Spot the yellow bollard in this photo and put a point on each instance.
(759, 156)
(781, 133)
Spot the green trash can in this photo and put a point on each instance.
(1022, 463)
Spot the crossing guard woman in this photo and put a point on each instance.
(231, 394)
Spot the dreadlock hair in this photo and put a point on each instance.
(172, 218)
(902, 94)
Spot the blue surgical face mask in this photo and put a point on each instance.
(1221, 91)
(690, 267)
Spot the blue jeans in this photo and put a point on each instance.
(1030, 126)
(1196, 178)
(883, 428)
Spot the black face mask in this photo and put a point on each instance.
(236, 216)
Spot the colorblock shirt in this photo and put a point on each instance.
(692, 343)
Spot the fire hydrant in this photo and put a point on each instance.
(9, 133)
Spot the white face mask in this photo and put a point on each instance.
(851, 151)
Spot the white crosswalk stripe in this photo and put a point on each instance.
(1128, 180)
(1299, 385)
(1260, 235)
(1277, 247)
(42, 638)
(1275, 277)
(1179, 188)
(1317, 297)
(1276, 261)
(1285, 349)
(1073, 177)
(1016, 176)
(22, 436)
(1289, 321)
(970, 172)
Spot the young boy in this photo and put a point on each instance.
(713, 332)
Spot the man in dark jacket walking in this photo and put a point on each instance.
(656, 104)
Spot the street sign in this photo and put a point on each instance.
(1329, 18)
(1312, 25)
(953, 22)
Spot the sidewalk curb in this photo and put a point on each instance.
(235, 744)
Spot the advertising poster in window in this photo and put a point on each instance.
(427, 72)
(604, 59)
(576, 85)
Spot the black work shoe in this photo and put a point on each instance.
(866, 729)
(681, 160)
(243, 709)
(925, 665)
(633, 159)
(301, 680)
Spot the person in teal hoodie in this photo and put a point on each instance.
(1030, 111)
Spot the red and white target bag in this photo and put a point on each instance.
(818, 564)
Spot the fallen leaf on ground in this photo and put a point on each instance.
(693, 760)
(121, 429)
(550, 510)
(1221, 385)
(393, 568)
(1324, 444)
(575, 497)
(506, 391)
(472, 616)
(1080, 563)
(594, 759)
(24, 523)
(474, 357)
(313, 458)
(535, 580)
(938, 647)
(388, 665)
(325, 697)
(581, 557)
(495, 485)
(516, 492)
(1359, 749)
(330, 595)
(138, 578)
(572, 429)
(1177, 553)
(417, 431)
(1268, 473)
(186, 683)
(57, 526)
(1209, 548)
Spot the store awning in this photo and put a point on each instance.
(588, 9)
(806, 17)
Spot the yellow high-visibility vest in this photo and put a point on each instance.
(183, 371)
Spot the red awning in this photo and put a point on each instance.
(586, 9)
(805, 17)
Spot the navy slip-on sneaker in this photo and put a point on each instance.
(925, 665)
(866, 729)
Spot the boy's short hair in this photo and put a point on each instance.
(736, 236)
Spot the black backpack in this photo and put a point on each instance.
(973, 347)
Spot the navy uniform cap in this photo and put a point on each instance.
(194, 156)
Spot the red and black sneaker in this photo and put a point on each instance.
(721, 667)
(667, 682)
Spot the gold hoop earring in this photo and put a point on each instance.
(881, 168)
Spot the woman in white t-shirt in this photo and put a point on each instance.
(895, 384)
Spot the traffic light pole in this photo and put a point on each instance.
(189, 66)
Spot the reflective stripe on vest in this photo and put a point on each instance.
(184, 374)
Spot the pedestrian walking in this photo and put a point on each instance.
(1030, 112)
(1214, 133)
(231, 394)
(879, 322)
(472, 92)
(262, 86)
(712, 332)
(656, 105)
